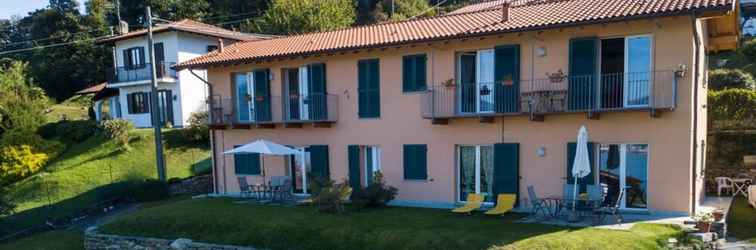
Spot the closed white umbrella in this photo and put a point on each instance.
(581, 166)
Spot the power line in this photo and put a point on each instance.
(49, 45)
(234, 15)
(44, 39)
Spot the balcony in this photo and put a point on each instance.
(651, 91)
(266, 111)
(125, 74)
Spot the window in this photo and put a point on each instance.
(138, 102)
(246, 164)
(415, 162)
(133, 58)
(476, 171)
(369, 102)
(414, 73)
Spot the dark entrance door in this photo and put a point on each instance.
(165, 107)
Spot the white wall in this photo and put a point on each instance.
(189, 91)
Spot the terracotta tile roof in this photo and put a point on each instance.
(477, 21)
(92, 89)
(191, 26)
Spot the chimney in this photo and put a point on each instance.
(123, 27)
(505, 11)
(220, 45)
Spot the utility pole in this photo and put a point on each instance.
(154, 101)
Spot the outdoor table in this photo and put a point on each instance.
(554, 205)
(741, 186)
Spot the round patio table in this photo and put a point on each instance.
(554, 205)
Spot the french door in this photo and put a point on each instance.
(304, 94)
(624, 166)
(372, 163)
(165, 106)
(476, 81)
(638, 73)
(476, 171)
(299, 171)
(245, 92)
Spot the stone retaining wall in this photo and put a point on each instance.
(202, 184)
(97, 241)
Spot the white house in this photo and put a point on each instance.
(180, 93)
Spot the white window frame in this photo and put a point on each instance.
(458, 168)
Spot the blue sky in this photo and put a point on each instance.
(23, 7)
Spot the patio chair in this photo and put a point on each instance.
(283, 191)
(613, 209)
(474, 202)
(724, 183)
(536, 204)
(595, 193)
(504, 203)
(244, 188)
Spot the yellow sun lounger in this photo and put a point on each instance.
(504, 203)
(474, 201)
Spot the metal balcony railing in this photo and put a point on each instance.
(273, 109)
(140, 72)
(557, 94)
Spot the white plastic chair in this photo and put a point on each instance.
(724, 183)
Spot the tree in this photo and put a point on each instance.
(301, 16)
(22, 104)
(720, 79)
(375, 11)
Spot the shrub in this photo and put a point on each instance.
(69, 130)
(118, 129)
(150, 190)
(329, 197)
(732, 109)
(720, 79)
(377, 194)
(17, 162)
(6, 206)
(198, 130)
(748, 49)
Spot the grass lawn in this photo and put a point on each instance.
(741, 222)
(76, 108)
(53, 240)
(275, 227)
(71, 181)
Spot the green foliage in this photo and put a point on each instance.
(404, 9)
(725, 149)
(17, 162)
(300, 16)
(69, 130)
(748, 50)
(6, 206)
(198, 130)
(377, 194)
(118, 130)
(732, 109)
(329, 197)
(720, 79)
(149, 190)
(22, 105)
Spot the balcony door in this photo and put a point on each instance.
(299, 171)
(476, 171)
(476, 81)
(625, 72)
(245, 91)
(298, 92)
(624, 166)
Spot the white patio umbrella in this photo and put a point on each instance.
(581, 166)
(265, 147)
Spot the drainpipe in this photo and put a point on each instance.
(696, 53)
(212, 133)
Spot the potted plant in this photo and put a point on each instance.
(556, 77)
(703, 222)
(507, 81)
(718, 214)
(449, 83)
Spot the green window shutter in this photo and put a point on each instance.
(407, 74)
(506, 169)
(142, 62)
(126, 59)
(246, 164)
(415, 161)
(262, 95)
(368, 88)
(319, 161)
(582, 73)
(588, 180)
(414, 73)
(353, 152)
(317, 87)
(507, 67)
(130, 103)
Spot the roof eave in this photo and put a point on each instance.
(694, 12)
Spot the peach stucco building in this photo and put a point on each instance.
(487, 99)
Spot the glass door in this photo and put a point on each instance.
(372, 163)
(304, 94)
(485, 76)
(165, 107)
(299, 171)
(476, 171)
(467, 83)
(637, 70)
(292, 88)
(624, 166)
